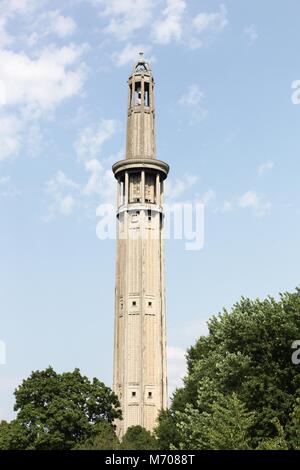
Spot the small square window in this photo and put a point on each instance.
(134, 303)
(149, 394)
(133, 394)
(149, 304)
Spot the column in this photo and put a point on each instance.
(157, 191)
(119, 202)
(126, 188)
(143, 186)
(133, 92)
(142, 130)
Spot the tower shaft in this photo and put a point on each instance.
(140, 376)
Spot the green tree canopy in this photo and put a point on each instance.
(138, 438)
(247, 353)
(57, 411)
(227, 425)
(104, 439)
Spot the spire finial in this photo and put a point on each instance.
(141, 64)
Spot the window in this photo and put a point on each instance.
(150, 188)
(134, 187)
(130, 97)
(138, 94)
(134, 303)
(149, 394)
(134, 216)
(149, 304)
(147, 95)
(133, 394)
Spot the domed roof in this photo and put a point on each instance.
(141, 66)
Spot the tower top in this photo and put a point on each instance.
(141, 65)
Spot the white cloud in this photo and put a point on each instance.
(52, 22)
(62, 191)
(251, 200)
(170, 26)
(62, 26)
(129, 54)
(226, 207)
(251, 33)
(10, 136)
(66, 205)
(164, 21)
(4, 180)
(10, 7)
(34, 140)
(91, 139)
(175, 189)
(126, 17)
(41, 83)
(61, 181)
(94, 183)
(65, 195)
(7, 189)
(207, 197)
(264, 167)
(31, 88)
(192, 98)
(5, 38)
(101, 182)
(211, 22)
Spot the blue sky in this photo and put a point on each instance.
(226, 124)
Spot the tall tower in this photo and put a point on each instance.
(140, 376)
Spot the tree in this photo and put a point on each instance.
(138, 438)
(4, 426)
(226, 426)
(166, 432)
(275, 443)
(247, 352)
(57, 411)
(104, 439)
(293, 427)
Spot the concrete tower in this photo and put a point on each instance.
(140, 376)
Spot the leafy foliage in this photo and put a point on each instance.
(247, 353)
(56, 411)
(104, 439)
(137, 438)
(226, 426)
(166, 432)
